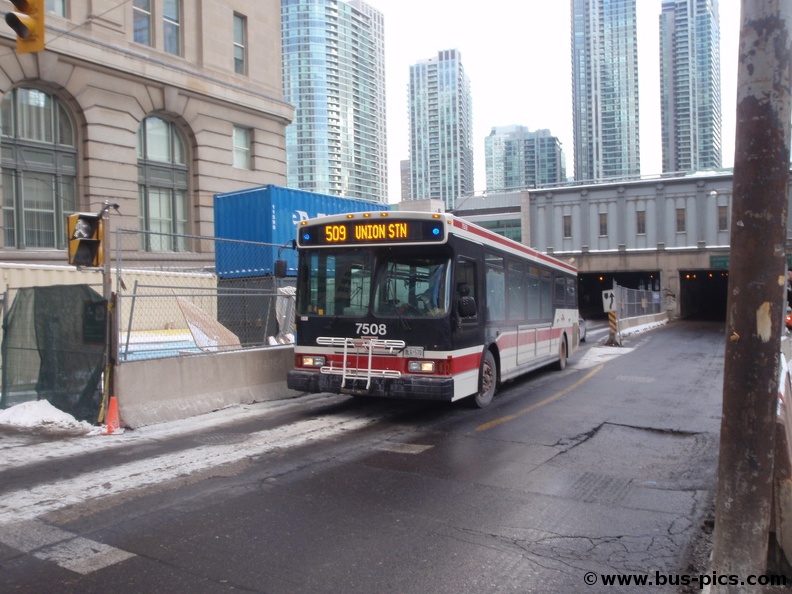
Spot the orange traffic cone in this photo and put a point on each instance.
(111, 420)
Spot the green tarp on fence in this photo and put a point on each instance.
(53, 349)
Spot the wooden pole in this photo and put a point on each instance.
(757, 281)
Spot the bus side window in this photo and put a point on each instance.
(572, 300)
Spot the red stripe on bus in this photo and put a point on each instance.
(465, 363)
(458, 364)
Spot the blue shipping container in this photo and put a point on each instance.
(269, 214)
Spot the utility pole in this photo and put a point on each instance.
(107, 294)
(757, 292)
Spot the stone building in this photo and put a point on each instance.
(668, 232)
(153, 105)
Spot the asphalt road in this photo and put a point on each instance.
(606, 467)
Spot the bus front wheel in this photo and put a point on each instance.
(488, 379)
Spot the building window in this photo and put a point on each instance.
(240, 44)
(39, 169)
(241, 147)
(603, 224)
(723, 218)
(567, 226)
(171, 26)
(162, 175)
(640, 222)
(141, 21)
(680, 220)
(57, 7)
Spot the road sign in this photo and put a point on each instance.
(719, 262)
(609, 301)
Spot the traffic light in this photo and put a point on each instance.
(85, 231)
(28, 23)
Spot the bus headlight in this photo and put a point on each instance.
(421, 366)
(312, 361)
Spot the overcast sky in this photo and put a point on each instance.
(517, 57)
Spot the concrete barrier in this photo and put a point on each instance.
(624, 325)
(170, 389)
(627, 323)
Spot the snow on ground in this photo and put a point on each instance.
(19, 450)
(40, 417)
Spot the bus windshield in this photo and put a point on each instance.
(339, 283)
(336, 283)
(412, 287)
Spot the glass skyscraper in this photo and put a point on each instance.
(605, 89)
(517, 158)
(441, 124)
(690, 85)
(334, 75)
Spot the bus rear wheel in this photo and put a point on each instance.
(562, 354)
(488, 380)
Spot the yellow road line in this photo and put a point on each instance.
(548, 400)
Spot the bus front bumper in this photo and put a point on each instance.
(415, 387)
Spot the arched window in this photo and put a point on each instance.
(162, 179)
(39, 161)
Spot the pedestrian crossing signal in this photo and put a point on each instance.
(85, 232)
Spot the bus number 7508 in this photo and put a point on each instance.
(372, 329)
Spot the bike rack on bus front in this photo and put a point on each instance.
(360, 346)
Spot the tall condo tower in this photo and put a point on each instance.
(334, 75)
(690, 85)
(517, 158)
(441, 124)
(605, 89)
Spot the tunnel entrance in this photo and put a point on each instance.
(699, 293)
(703, 294)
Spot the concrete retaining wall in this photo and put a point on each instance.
(159, 390)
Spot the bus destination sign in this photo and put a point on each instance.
(371, 232)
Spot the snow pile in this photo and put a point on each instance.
(43, 418)
(599, 354)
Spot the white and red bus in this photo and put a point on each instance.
(425, 306)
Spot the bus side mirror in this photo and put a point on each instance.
(280, 265)
(466, 307)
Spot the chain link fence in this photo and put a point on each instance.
(180, 295)
(632, 303)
